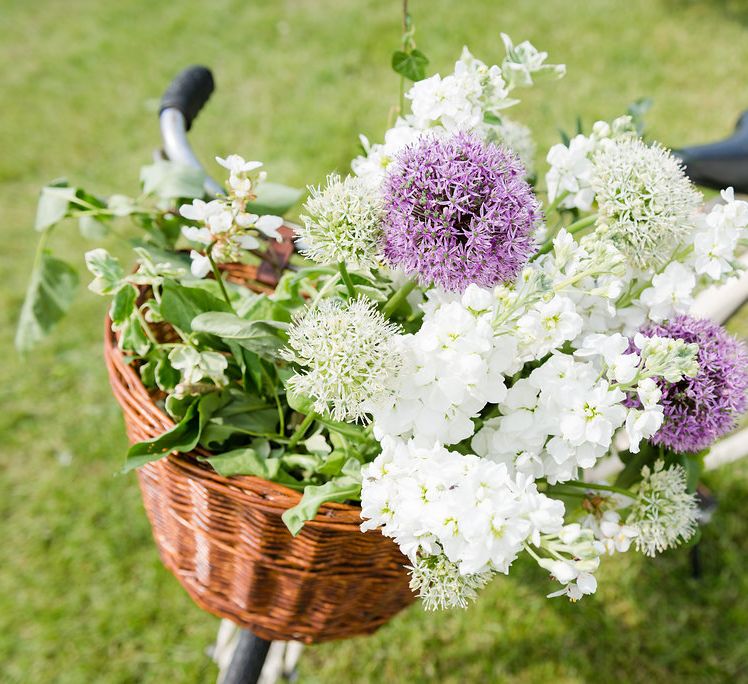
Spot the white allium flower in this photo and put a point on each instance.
(347, 352)
(645, 199)
(441, 585)
(195, 366)
(664, 513)
(343, 222)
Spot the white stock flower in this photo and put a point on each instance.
(343, 222)
(547, 326)
(717, 236)
(571, 173)
(452, 101)
(645, 199)
(523, 61)
(346, 351)
(432, 501)
(670, 293)
(664, 513)
(452, 367)
(643, 423)
(372, 165)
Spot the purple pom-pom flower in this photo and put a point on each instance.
(701, 409)
(458, 211)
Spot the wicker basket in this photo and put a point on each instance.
(224, 540)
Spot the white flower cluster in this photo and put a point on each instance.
(569, 179)
(644, 198)
(495, 401)
(664, 513)
(471, 99)
(451, 368)
(342, 223)
(346, 351)
(227, 228)
(434, 501)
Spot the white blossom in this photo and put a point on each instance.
(644, 198)
(344, 351)
(664, 513)
(670, 293)
(343, 222)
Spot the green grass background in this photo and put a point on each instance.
(83, 597)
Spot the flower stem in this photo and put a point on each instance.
(598, 487)
(398, 297)
(347, 280)
(554, 205)
(301, 429)
(572, 228)
(219, 279)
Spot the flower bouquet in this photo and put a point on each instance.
(455, 347)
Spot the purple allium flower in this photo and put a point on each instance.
(458, 211)
(701, 409)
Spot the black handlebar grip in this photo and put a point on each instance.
(188, 92)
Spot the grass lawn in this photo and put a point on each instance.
(83, 597)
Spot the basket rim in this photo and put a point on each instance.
(343, 514)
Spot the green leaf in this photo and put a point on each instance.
(249, 462)
(54, 201)
(274, 198)
(107, 271)
(180, 304)
(123, 304)
(172, 180)
(338, 490)
(132, 336)
(304, 405)
(411, 65)
(165, 375)
(261, 337)
(49, 295)
(183, 437)
(92, 228)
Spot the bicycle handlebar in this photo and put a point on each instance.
(180, 105)
(188, 93)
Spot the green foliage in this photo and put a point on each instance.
(274, 198)
(50, 293)
(338, 490)
(172, 180)
(184, 436)
(411, 65)
(180, 305)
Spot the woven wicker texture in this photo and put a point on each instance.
(224, 540)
